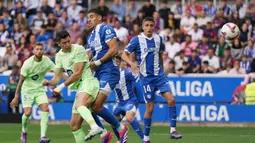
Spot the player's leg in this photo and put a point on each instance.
(42, 101)
(164, 88)
(75, 124)
(131, 108)
(117, 114)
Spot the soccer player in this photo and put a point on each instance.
(73, 59)
(30, 84)
(148, 48)
(103, 45)
(127, 101)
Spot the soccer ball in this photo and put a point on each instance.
(230, 31)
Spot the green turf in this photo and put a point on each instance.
(10, 133)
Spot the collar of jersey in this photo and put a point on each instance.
(148, 37)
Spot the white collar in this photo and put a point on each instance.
(142, 34)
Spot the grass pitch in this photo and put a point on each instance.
(10, 133)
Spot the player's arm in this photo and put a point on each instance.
(78, 70)
(161, 49)
(58, 75)
(129, 49)
(18, 89)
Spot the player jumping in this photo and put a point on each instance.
(103, 45)
(127, 101)
(30, 83)
(73, 59)
(148, 48)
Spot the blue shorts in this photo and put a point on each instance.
(152, 85)
(108, 78)
(123, 107)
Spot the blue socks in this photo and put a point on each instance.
(147, 126)
(108, 117)
(97, 120)
(116, 132)
(136, 126)
(172, 115)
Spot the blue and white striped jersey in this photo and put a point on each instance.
(97, 43)
(147, 51)
(124, 89)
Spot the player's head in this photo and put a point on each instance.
(38, 50)
(148, 26)
(95, 17)
(63, 40)
(118, 60)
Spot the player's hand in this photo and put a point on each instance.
(46, 83)
(58, 89)
(15, 102)
(92, 65)
(134, 67)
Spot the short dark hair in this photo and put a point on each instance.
(96, 11)
(38, 44)
(148, 19)
(62, 35)
(205, 62)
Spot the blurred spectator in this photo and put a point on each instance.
(58, 10)
(103, 8)
(170, 68)
(159, 22)
(52, 22)
(214, 63)
(210, 9)
(2, 9)
(66, 3)
(240, 7)
(79, 41)
(187, 22)
(139, 18)
(50, 49)
(148, 9)
(236, 19)
(196, 33)
(188, 46)
(244, 35)
(219, 20)
(237, 49)
(253, 65)
(74, 10)
(16, 33)
(135, 31)
(119, 10)
(179, 10)
(21, 21)
(10, 59)
(249, 50)
(220, 47)
(13, 80)
(46, 9)
(203, 46)
(202, 20)
(132, 9)
(43, 35)
(59, 27)
(245, 64)
(74, 32)
(19, 8)
(179, 59)
(65, 20)
(3, 35)
(31, 6)
(122, 33)
(211, 33)
(163, 12)
(128, 23)
(194, 7)
(82, 20)
(180, 37)
(206, 68)
(237, 68)
(111, 18)
(7, 20)
(185, 69)
(85, 34)
(194, 62)
(172, 22)
(22, 47)
(227, 69)
(226, 8)
(250, 93)
(38, 20)
(172, 47)
(251, 10)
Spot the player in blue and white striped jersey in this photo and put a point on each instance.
(126, 99)
(148, 48)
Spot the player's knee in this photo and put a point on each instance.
(96, 108)
(27, 113)
(171, 101)
(149, 111)
(129, 118)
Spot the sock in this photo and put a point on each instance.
(108, 117)
(116, 132)
(79, 136)
(25, 120)
(172, 117)
(44, 123)
(147, 128)
(137, 128)
(97, 120)
(87, 116)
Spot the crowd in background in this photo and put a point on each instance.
(191, 32)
